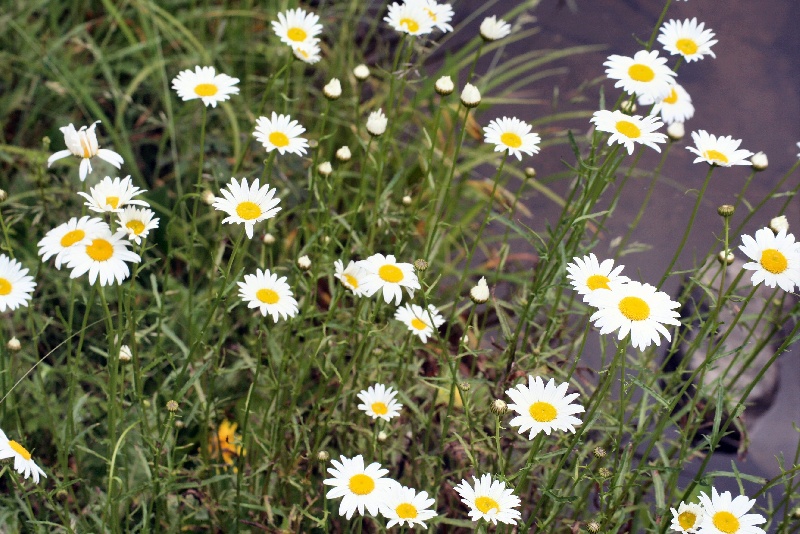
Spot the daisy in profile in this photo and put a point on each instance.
(350, 277)
(587, 274)
(513, 135)
(281, 133)
(83, 143)
(361, 488)
(627, 130)
(383, 272)
(23, 464)
(15, 284)
(493, 29)
(247, 204)
(410, 18)
(635, 308)
(270, 294)
(776, 258)
(543, 408)
(297, 27)
(687, 38)
(439, 14)
(490, 500)
(422, 322)
(103, 255)
(675, 107)
(687, 518)
(112, 195)
(137, 222)
(726, 515)
(402, 505)
(66, 235)
(379, 401)
(307, 53)
(644, 74)
(205, 84)
(721, 151)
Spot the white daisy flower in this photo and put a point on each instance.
(103, 256)
(350, 277)
(281, 133)
(422, 322)
(409, 18)
(776, 258)
(15, 284)
(377, 122)
(439, 14)
(383, 272)
(403, 505)
(720, 151)
(726, 515)
(644, 74)
(379, 401)
(360, 487)
(687, 38)
(270, 294)
(23, 464)
(675, 107)
(297, 27)
(687, 518)
(112, 195)
(543, 408)
(587, 274)
(493, 28)
(137, 222)
(627, 130)
(247, 204)
(307, 53)
(637, 308)
(205, 84)
(83, 143)
(513, 135)
(490, 500)
(66, 235)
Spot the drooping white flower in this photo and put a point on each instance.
(83, 143)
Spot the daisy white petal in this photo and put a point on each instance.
(687, 38)
(489, 499)
(776, 258)
(297, 27)
(281, 133)
(727, 515)
(378, 401)
(409, 18)
(422, 322)
(351, 277)
(675, 107)
(721, 151)
(83, 143)
(270, 294)
(307, 53)
(62, 237)
(628, 130)
(205, 84)
(23, 464)
(439, 14)
(247, 204)
(587, 274)
(513, 135)
(404, 505)
(493, 28)
(543, 408)
(137, 222)
(361, 488)
(384, 272)
(103, 256)
(644, 74)
(112, 195)
(15, 284)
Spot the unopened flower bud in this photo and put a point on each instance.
(421, 265)
(207, 197)
(325, 168)
(376, 123)
(604, 472)
(125, 354)
(361, 72)
(172, 406)
(323, 456)
(382, 436)
(406, 200)
(779, 223)
(464, 386)
(530, 172)
(304, 263)
(599, 452)
(759, 161)
(726, 210)
(13, 344)
(499, 407)
(333, 89)
(480, 293)
(593, 527)
(268, 239)
(725, 257)
(344, 154)
(3, 195)
(470, 96)
(444, 86)
(627, 107)
(676, 131)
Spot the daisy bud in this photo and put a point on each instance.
(326, 239)
(779, 223)
(599, 452)
(726, 210)
(604, 472)
(499, 407)
(333, 89)
(323, 456)
(172, 406)
(725, 257)
(676, 131)
(421, 265)
(268, 239)
(361, 72)
(530, 172)
(465, 339)
(3, 195)
(464, 386)
(208, 197)
(759, 161)
(13, 344)
(470, 96)
(480, 293)
(444, 86)
(325, 168)
(493, 28)
(376, 123)
(343, 154)
(406, 200)
(382, 436)
(593, 526)
(628, 107)
(304, 263)
(125, 354)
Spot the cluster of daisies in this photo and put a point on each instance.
(719, 513)
(419, 17)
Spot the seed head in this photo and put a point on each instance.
(421, 265)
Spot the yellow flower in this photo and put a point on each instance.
(226, 444)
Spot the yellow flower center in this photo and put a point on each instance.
(406, 510)
(484, 504)
(687, 46)
(715, 155)
(5, 286)
(351, 280)
(687, 520)
(361, 484)
(634, 308)
(673, 96)
(511, 139)
(597, 281)
(113, 202)
(87, 149)
(418, 324)
(19, 449)
(267, 296)
(641, 73)
(390, 273)
(297, 34)
(542, 412)
(100, 250)
(279, 139)
(248, 210)
(205, 89)
(70, 238)
(137, 227)
(410, 24)
(773, 261)
(628, 129)
(726, 522)
(379, 408)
